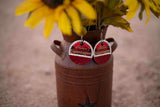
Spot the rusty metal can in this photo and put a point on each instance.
(88, 85)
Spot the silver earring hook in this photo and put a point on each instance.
(82, 40)
(101, 37)
(102, 34)
(81, 37)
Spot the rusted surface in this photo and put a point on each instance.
(74, 85)
(76, 82)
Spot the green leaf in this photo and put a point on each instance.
(117, 21)
(155, 13)
(99, 7)
(107, 13)
(113, 3)
(120, 10)
(141, 11)
(90, 1)
(29, 14)
(155, 7)
(87, 22)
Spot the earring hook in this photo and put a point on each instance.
(82, 40)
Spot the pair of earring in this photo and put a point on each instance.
(81, 52)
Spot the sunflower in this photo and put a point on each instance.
(147, 5)
(63, 12)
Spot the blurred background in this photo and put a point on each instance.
(27, 73)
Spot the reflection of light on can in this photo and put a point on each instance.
(80, 52)
(102, 52)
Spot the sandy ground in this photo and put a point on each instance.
(27, 77)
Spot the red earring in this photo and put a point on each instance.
(102, 51)
(80, 52)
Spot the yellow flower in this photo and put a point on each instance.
(155, 6)
(133, 6)
(147, 9)
(64, 12)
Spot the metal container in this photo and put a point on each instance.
(88, 85)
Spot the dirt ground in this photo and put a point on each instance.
(27, 73)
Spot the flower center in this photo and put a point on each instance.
(52, 3)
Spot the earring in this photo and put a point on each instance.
(102, 51)
(80, 52)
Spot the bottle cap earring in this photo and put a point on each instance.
(80, 52)
(102, 51)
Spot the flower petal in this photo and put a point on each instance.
(76, 22)
(156, 2)
(49, 23)
(147, 9)
(37, 16)
(85, 8)
(28, 6)
(133, 6)
(155, 7)
(64, 23)
(66, 2)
